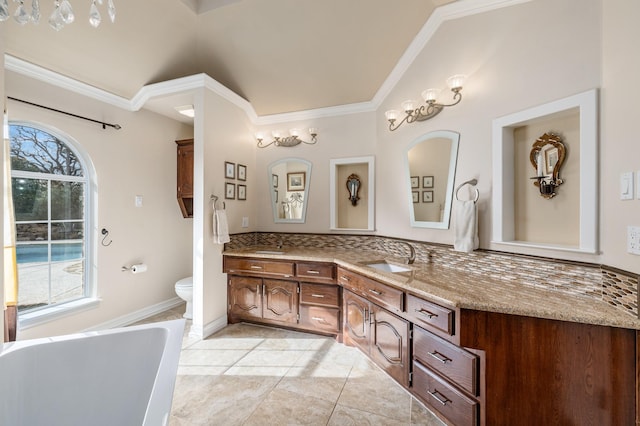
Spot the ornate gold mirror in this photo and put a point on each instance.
(547, 156)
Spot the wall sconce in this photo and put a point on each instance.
(432, 107)
(546, 157)
(353, 187)
(292, 140)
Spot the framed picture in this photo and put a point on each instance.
(230, 191)
(415, 182)
(274, 180)
(242, 192)
(427, 181)
(416, 196)
(427, 196)
(295, 181)
(275, 196)
(229, 170)
(242, 173)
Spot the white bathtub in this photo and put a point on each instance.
(123, 376)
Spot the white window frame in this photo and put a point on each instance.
(90, 300)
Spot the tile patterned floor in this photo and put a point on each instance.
(253, 375)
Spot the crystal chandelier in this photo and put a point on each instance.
(62, 13)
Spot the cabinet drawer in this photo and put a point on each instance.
(447, 359)
(258, 266)
(430, 315)
(372, 290)
(323, 271)
(458, 408)
(320, 294)
(319, 318)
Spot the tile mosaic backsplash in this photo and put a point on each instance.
(616, 287)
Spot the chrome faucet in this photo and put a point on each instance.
(412, 254)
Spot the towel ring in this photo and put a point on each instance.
(472, 182)
(214, 199)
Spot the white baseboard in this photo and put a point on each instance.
(208, 329)
(138, 315)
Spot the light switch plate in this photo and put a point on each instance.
(138, 201)
(626, 186)
(245, 222)
(633, 239)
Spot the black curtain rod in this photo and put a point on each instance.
(104, 125)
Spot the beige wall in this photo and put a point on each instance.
(352, 135)
(139, 159)
(348, 215)
(508, 71)
(619, 146)
(555, 220)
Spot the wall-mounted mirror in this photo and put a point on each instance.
(289, 181)
(430, 172)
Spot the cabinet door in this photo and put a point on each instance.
(245, 297)
(280, 301)
(185, 170)
(390, 344)
(356, 321)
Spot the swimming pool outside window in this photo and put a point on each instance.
(50, 196)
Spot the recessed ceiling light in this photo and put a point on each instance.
(186, 110)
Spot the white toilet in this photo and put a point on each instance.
(184, 289)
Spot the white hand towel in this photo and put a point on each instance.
(466, 227)
(220, 227)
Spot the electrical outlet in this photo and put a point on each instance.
(138, 201)
(633, 239)
(245, 222)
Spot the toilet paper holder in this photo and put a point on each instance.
(135, 268)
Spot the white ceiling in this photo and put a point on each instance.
(280, 55)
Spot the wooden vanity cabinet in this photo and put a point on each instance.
(302, 295)
(549, 372)
(263, 299)
(383, 336)
(184, 176)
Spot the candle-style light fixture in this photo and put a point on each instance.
(62, 13)
(414, 112)
(293, 139)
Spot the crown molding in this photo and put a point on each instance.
(182, 85)
(20, 66)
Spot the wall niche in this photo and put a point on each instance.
(344, 214)
(522, 217)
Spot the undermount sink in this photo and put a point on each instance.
(384, 266)
(269, 252)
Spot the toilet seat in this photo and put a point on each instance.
(185, 283)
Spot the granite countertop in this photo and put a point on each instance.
(463, 289)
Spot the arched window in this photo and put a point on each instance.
(50, 184)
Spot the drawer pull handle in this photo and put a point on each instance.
(310, 271)
(255, 267)
(437, 355)
(376, 292)
(344, 278)
(426, 313)
(318, 295)
(319, 319)
(437, 396)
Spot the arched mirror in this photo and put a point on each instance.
(289, 180)
(431, 168)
